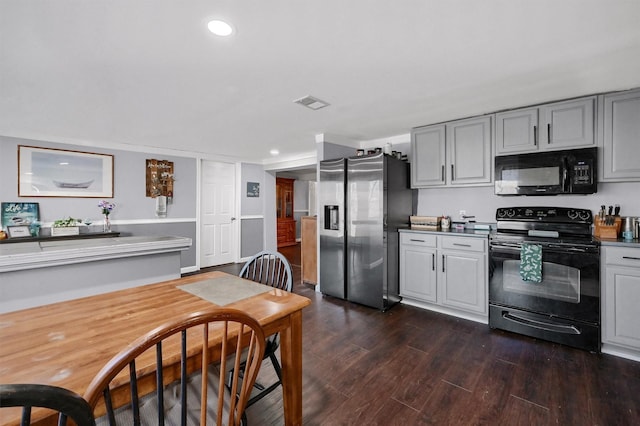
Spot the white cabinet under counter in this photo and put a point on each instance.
(445, 272)
(38, 273)
(620, 301)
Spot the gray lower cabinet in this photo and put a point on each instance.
(558, 125)
(453, 154)
(621, 135)
(418, 276)
(445, 273)
(620, 301)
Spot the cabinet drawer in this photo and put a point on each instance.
(461, 243)
(417, 239)
(622, 256)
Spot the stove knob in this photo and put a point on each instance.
(511, 212)
(585, 215)
(502, 212)
(572, 214)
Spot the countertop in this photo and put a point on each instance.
(478, 233)
(619, 242)
(34, 254)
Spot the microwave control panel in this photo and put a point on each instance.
(582, 174)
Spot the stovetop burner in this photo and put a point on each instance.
(544, 214)
(546, 223)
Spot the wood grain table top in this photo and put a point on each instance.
(66, 344)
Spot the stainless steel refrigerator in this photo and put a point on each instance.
(363, 201)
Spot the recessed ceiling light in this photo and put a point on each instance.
(274, 152)
(220, 28)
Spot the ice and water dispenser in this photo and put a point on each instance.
(331, 217)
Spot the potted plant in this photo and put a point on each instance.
(68, 226)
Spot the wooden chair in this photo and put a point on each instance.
(272, 269)
(68, 404)
(169, 383)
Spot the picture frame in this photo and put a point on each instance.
(49, 172)
(253, 189)
(14, 213)
(18, 231)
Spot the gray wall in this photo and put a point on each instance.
(330, 151)
(270, 231)
(300, 203)
(129, 193)
(252, 232)
(252, 237)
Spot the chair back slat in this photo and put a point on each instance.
(269, 268)
(159, 383)
(201, 388)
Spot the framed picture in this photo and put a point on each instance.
(253, 189)
(18, 231)
(14, 214)
(47, 172)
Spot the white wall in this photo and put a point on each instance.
(482, 202)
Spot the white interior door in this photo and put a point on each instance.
(218, 203)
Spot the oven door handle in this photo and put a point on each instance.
(545, 247)
(576, 249)
(556, 328)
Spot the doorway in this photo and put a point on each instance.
(217, 213)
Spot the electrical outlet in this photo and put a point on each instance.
(463, 213)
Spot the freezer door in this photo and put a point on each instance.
(365, 226)
(331, 214)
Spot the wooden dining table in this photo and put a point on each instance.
(66, 344)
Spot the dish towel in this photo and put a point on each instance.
(531, 262)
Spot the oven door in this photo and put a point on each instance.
(570, 286)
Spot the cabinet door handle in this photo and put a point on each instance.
(535, 135)
(416, 241)
(433, 261)
(442, 173)
(453, 176)
(443, 263)
(631, 257)
(548, 133)
(462, 245)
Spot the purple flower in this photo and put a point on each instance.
(106, 207)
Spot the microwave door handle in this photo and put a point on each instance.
(565, 175)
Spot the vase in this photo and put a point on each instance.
(107, 224)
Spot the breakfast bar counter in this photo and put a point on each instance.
(40, 272)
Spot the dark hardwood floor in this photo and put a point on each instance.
(408, 366)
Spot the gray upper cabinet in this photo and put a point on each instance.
(428, 156)
(469, 149)
(620, 115)
(560, 125)
(455, 153)
(516, 131)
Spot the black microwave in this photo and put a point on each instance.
(572, 171)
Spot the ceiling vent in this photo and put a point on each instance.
(311, 102)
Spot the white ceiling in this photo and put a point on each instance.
(149, 73)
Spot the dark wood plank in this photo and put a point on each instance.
(409, 366)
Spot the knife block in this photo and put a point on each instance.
(607, 231)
